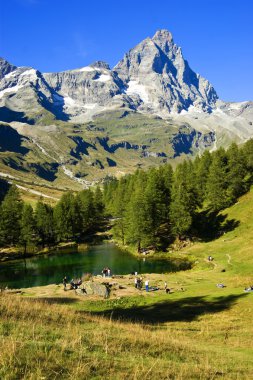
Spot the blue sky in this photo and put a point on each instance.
(216, 36)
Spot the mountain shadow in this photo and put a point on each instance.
(4, 188)
(11, 140)
(46, 171)
(209, 225)
(81, 147)
(7, 115)
(183, 310)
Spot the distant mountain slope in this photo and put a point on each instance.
(81, 125)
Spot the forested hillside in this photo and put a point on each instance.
(152, 208)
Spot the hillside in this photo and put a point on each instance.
(202, 332)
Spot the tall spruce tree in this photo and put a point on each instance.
(217, 182)
(45, 223)
(237, 172)
(11, 212)
(184, 200)
(67, 218)
(28, 233)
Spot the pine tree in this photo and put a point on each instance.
(86, 208)
(201, 168)
(98, 205)
(67, 217)
(217, 182)
(44, 223)
(28, 233)
(11, 211)
(184, 200)
(236, 176)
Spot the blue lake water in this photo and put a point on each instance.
(50, 269)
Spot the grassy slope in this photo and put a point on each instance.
(201, 333)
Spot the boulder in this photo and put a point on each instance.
(94, 288)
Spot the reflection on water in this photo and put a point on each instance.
(45, 270)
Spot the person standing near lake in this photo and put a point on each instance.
(64, 281)
(147, 285)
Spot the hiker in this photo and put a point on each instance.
(136, 281)
(210, 258)
(147, 285)
(108, 272)
(72, 284)
(167, 290)
(64, 281)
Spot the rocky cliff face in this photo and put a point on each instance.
(156, 73)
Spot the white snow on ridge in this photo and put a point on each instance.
(10, 89)
(236, 106)
(11, 74)
(86, 68)
(29, 72)
(134, 88)
(90, 106)
(68, 101)
(103, 78)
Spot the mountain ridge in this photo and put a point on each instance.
(151, 107)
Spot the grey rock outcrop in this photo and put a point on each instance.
(5, 68)
(94, 288)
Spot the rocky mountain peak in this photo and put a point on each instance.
(100, 65)
(5, 67)
(163, 35)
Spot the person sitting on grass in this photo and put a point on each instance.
(221, 286)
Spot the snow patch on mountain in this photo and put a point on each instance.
(103, 78)
(10, 89)
(135, 88)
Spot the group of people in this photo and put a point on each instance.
(74, 284)
(106, 272)
(249, 289)
(138, 281)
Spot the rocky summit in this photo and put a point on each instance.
(79, 126)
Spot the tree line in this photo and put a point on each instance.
(72, 219)
(149, 208)
(152, 208)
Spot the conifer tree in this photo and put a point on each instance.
(66, 217)
(184, 200)
(44, 223)
(201, 169)
(87, 211)
(236, 173)
(28, 233)
(11, 211)
(217, 182)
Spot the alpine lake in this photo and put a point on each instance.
(51, 269)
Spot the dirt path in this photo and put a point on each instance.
(229, 258)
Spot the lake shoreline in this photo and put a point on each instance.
(10, 254)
